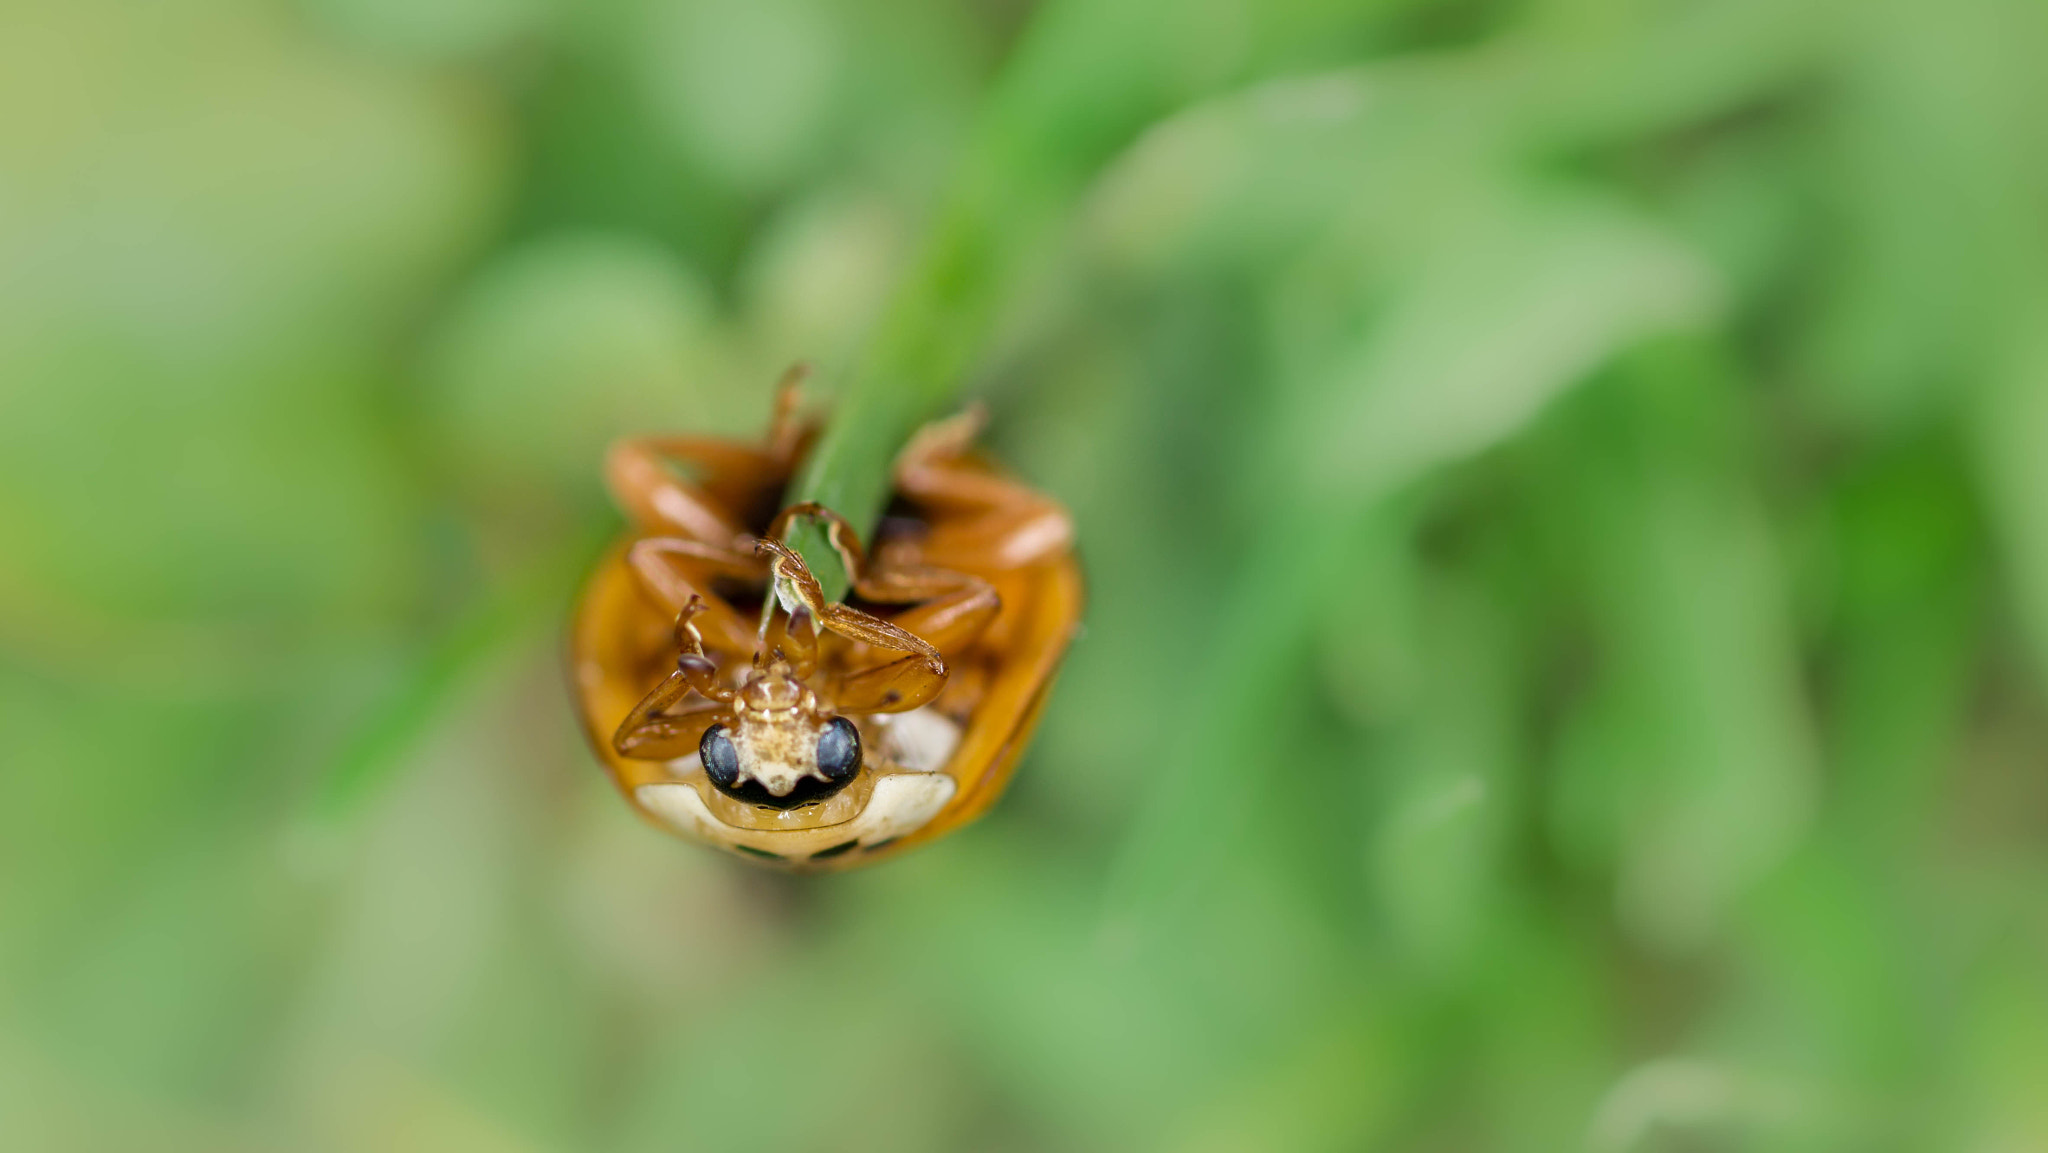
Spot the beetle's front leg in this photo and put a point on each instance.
(894, 687)
(956, 609)
(793, 585)
(650, 731)
(955, 606)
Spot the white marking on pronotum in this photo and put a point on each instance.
(683, 809)
(921, 740)
(903, 803)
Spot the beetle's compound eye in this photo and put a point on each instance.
(721, 760)
(839, 750)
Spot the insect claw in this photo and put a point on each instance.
(687, 636)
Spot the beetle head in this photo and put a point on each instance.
(780, 748)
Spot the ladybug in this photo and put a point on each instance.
(735, 705)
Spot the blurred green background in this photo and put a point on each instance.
(1564, 485)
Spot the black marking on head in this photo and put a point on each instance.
(754, 852)
(721, 759)
(808, 791)
(839, 750)
(836, 850)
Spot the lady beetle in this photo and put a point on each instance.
(831, 734)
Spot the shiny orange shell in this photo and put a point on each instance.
(622, 644)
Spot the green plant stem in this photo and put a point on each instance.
(1051, 121)
(1084, 81)
(919, 359)
(1000, 208)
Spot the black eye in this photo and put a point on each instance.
(839, 750)
(721, 760)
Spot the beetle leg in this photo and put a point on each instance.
(666, 737)
(638, 472)
(909, 681)
(956, 607)
(884, 582)
(845, 541)
(695, 667)
(655, 499)
(949, 623)
(897, 687)
(892, 582)
(653, 561)
(796, 588)
(650, 731)
(1003, 524)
